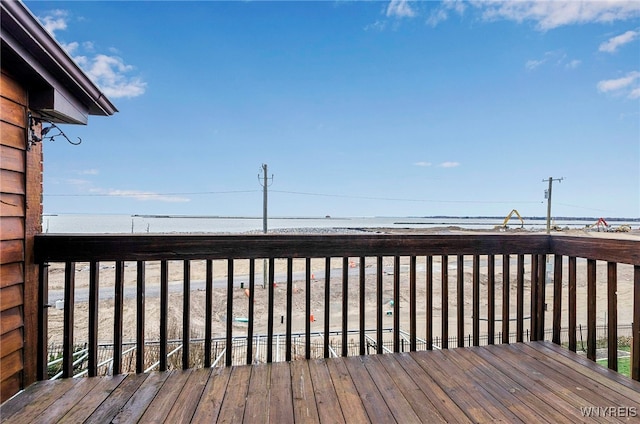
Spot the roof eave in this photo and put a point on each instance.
(45, 49)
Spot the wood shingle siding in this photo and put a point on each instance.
(14, 176)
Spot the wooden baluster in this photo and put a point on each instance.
(506, 288)
(117, 318)
(520, 298)
(429, 301)
(557, 298)
(164, 312)
(612, 314)
(94, 287)
(362, 305)
(140, 268)
(591, 309)
(270, 311)
(69, 298)
(308, 311)
(412, 303)
(252, 285)
(572, 303)
(229, 330)
(476, 300)
(534, 298)
(379, 286)
(491, 298)
(43, 321)
(208, 306)
(289, 308)
(186, 314)
(396, 304)
(460, 302)
(542, 285)
(345, 304)
(327, 305)
(444, 269)
(635, 340)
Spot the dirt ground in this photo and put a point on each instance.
(318, 285)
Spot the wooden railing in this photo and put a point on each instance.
(527, 253)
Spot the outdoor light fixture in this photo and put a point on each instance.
(32, 138)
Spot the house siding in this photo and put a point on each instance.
(20, 220)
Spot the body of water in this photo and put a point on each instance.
(80, 223)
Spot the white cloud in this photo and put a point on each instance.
(573, 64)
(147, 195)
(436, 16)
(77, 182)
(70, 48)
(546, 14)
(611, 45)
(400, 9)
(627, 84)
(533, 64)
(56, 20)
(88, 172)
(449, 164)
(555, 58)
(441, 13)
(553, 14)
(424, 164)
(109, 73)
(376, 26)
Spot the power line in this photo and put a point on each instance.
(139, 194)
(299, 193)
(347, 196)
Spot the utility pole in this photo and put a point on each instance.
(265, 184)
(548, 197)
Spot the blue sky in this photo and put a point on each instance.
(360, 108)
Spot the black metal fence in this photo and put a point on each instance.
(218, 346)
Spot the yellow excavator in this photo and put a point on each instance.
(506, 220)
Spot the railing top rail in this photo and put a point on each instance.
(89, 247)
(624, 251)
(130, 247)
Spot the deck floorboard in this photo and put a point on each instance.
(532, 382)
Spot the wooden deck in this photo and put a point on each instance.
(534, 382)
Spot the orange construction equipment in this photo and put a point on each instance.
(600, 223)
